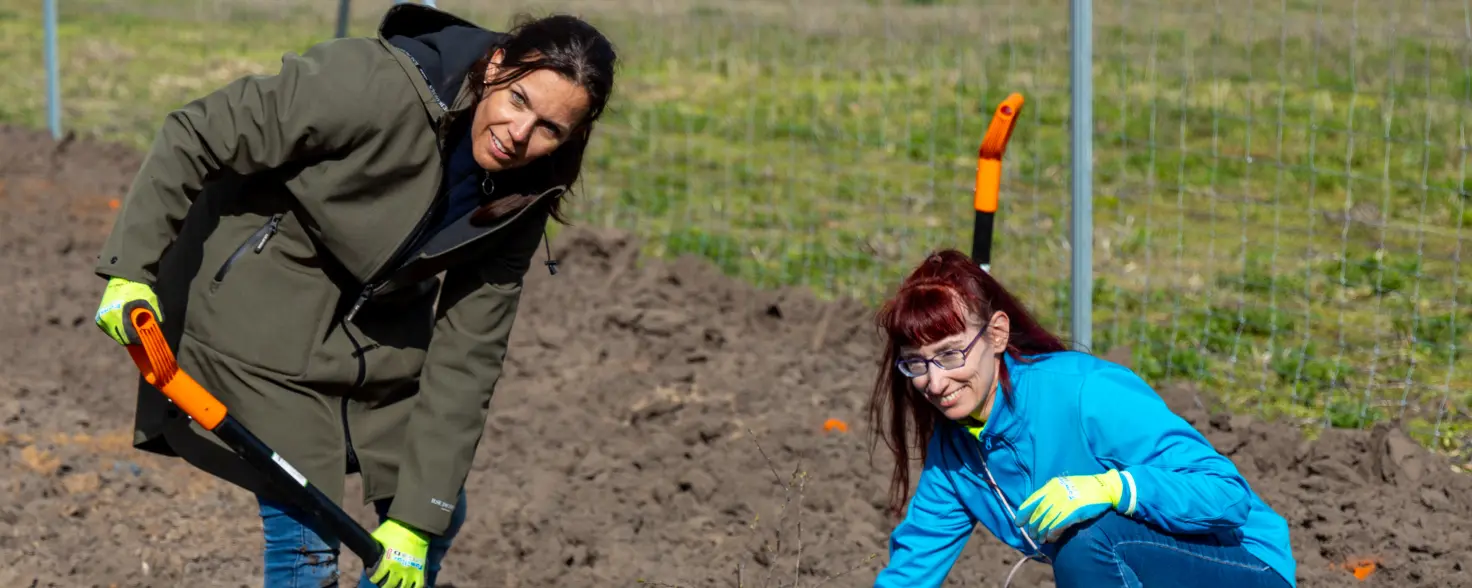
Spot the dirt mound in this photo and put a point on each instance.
(654, 420)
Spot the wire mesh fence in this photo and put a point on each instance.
(1286, 215)
(1280, 192)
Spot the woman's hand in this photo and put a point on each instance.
(111, 312)
(1068, 500)
(404, 552)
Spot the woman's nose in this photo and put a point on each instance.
(521, 128)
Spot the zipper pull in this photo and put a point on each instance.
(357, 304)
(270, 230)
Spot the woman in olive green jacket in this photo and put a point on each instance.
(294, 228)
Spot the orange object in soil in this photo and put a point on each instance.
(832, 424)
(1362, 567)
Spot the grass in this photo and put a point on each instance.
(1281, 197)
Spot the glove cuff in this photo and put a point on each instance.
(1126, 499)
(396, 531)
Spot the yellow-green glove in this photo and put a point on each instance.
(1068, 500)
(111, 313)
(404, 551)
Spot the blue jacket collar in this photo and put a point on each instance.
(1005, 421)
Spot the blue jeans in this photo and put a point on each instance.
(297, 557)
(1115, 550)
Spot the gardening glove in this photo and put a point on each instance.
(1068, 500)
(111, 313)
(404, 551)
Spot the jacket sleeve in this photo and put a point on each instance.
(924, 546)
(472, 330)
(313, 106)
(1173, 477)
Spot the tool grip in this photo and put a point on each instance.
(160, 368)
(988, 185)
(989, 177)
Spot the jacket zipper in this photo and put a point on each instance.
(368, 289)
(358, 351)
(347, 433)
(347, 439)
(1007, 506)
(441, 136)
(260, 237)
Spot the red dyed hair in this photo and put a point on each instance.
(936, 301)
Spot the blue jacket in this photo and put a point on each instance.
(1074, 414)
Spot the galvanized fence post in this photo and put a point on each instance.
(53, 72)
(1081, 88)
(343, 10)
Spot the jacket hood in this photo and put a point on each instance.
(443, 45)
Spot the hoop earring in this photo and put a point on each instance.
(487, 185)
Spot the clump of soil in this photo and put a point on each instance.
(657, 421)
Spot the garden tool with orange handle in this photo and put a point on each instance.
(989, 177)
(159, 367)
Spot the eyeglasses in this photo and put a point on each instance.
(947, 360)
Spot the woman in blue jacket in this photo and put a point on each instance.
(1070, 459)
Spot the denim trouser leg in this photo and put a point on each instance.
(297, 557)
(1115, 550)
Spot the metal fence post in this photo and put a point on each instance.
(1081, 88)
(343, 11)
(53, 73)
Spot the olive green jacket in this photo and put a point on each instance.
(274, 217)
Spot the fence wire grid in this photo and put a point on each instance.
(1280, 197)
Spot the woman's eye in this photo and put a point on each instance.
(516, 98)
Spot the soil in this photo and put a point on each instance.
(647, 427)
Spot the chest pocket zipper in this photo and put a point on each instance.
(256, 243)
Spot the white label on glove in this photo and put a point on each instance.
(402, 558)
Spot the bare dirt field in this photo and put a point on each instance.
(647, 415)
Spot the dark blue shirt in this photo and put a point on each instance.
(462, 185)
(463, 178)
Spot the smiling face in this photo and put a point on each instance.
(523, 120)
(966, 380)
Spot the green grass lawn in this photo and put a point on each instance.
(1280, 188)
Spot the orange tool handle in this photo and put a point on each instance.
(988, 184)
(989, 155)
(159, 367)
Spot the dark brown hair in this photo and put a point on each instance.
(576, 51)
(934, 302)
